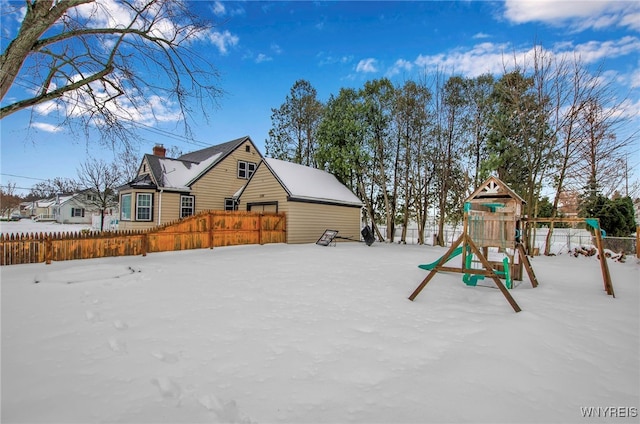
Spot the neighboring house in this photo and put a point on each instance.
(72, 209)
(37, 208)
(313, 200)
(568, 203)
(167, 189)
(75, 208)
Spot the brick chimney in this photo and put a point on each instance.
(159, 150)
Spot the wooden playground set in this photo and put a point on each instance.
(493, 219)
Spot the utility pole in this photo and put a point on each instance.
(626, 175)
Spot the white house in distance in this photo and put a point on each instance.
(314, 200)
(72, 208)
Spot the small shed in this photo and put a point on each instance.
(314, 200)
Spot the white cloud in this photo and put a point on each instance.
(327, 59)
(223, 40)
(46, 127)
(578, 15)
(276, 48)
(263, 58)
(635, 78)
(482, 58)
(401, 65)
(594, 51)
(80, 103)
(495, 58)
(631, 20)
(218, 8)
(367, 65)
(481, 35)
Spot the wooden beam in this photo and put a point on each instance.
(435, 269)
(527, 265)
(606, 277)
(492, 274)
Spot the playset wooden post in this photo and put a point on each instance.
(595, 224)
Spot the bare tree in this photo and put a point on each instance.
(412, 117)
(106, 64)
(9, 201)
(50, 188)
(295, 124)
(100, 180)
(450, 108)
(601, 151)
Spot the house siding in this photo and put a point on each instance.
(222, 180)
(168, 206)
(64, 213)
(306, 222)
(264, 187)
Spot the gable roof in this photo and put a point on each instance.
(182, 172)
(310, 184)
(494, 187)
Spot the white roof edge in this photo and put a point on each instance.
(320, 199)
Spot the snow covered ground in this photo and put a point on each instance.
(26, 225)
(309, 334)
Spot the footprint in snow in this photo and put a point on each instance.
(227, 412)
(168, 388)
(120, 325)
(169, 358)
(117, 346)
(92, 316)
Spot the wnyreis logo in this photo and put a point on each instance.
(609, 411)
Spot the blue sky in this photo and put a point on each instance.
(262, 48)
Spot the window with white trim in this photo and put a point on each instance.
(246, 169)
(186, 206)
(125, 207)
(143, 206)
(77, 212)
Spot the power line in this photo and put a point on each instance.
(22, 176)
(78, 102)
(19, 188)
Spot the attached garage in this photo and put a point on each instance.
(313, 200)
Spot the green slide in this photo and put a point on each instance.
(432, 265)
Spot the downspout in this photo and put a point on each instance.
(160, 206)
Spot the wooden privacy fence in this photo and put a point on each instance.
(205, 230)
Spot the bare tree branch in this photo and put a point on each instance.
(103, 71)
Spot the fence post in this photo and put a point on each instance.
(144, 243)
(210, 229)
(260, 228)
(48, 249)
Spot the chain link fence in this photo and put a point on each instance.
(563, 240)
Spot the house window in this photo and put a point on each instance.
(125, 207)
(247, 148)
(77, 212)
(186, 206)
(230, 204)
(246, 169)
(143, 206)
